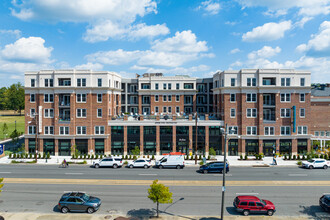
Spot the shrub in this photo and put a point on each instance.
(257, 156)
(85, 156)
(30, 156)
(101, 156)
(299, 163)
(97, 156)
(144, 156)
(192, 157)
(321, 156)
(200, 157)
(245, 157)
(148, 156)
(290, 157)
(126, 162)
(285, 157)
(26, 155)
(84, 162)
(209, 157)
(39, 156)
(298, 157)
(9, 156)
(88, 156)
(303, 157)
(153, 157)
(92, 157)
(48, 155)
(241, 157)
(126, 157)
(44, 156)
(212, 152)
(80, 156)
(294, 157)
(201, 163)
(308, 156)
(326, 156)
(134, 157)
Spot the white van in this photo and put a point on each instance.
(169, 161)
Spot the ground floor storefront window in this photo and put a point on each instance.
(131, 146)
(64, 147)
(302, 146)
(165, 147)
(99, 146)
(82, 146)
(117, 148)
(149, 148)
(49, 147)
(285, 147)
(233, 147)
(32, 146)
(269, 147)
(182, 146)
(252, 147)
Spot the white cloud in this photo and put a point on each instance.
(232, 23)
(30, 50)
(319, 45)
(210, 7)
(264, 52)
(116, 57)
(236, 50)
(90, 66)
(176, 71)
(303, 21)
(276, 13)
(267, 32)
(15, 33)
(143, 30)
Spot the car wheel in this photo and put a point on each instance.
(97, 166)
(115, 166)
(90, 210)
(145, 166)
(178, 167)
(310, 167)
(131, 166)
(161, 167)
(270, 212)
(64, 210)
(325, 167)
(205, 172)
(246, 212)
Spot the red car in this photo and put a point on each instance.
(252, 204)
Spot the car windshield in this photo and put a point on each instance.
(85, 197)
(262, 201)
(311, 161)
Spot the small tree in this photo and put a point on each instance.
(212, 151)
(4, 130)
(159, 193)
(136, 151)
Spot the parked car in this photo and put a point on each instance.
(78, 202)
(316, 163)
(325, 202)
(252, 204)
(141, 162)
(213, 167)
(174, 160)
(109, 162)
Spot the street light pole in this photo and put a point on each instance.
(36, 150)
(196, 139)
(224, 174)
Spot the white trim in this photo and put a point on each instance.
(252, 134)
(64, 128)
(285, 96)
(235, 113)
(97, 113)
(81, 94)
(251, 97)
(302, 129)
(48, 112)
(48, 130)
(285, 131)
(269, 129)
(157, 97)
(81, 113)
(81, 130)
(285, 112)
(300, 113)
(300, 97)
(251, 113)
(48, 94)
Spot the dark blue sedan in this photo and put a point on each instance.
(213, 167)
(78, 202)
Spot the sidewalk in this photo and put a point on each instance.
(233, 161)
(76, 216)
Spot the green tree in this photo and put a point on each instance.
(14, 136)
(158, 193)
(136, 151)
(212, 151)
(4, 129)
(3, 104)
(14, 97)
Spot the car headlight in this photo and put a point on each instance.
(94, 205)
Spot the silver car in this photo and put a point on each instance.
(316, 163)
(141, 162)
(109, 162)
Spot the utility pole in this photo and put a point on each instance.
(37, 130)
(196, 138)
(224, 174)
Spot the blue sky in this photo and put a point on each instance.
(190, 37)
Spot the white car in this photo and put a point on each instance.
(141, 162)
(109, 162)
(316, 163)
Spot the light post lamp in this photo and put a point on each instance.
(35, 116)
(225, 133)
(196, 138)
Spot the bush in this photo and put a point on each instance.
(80, 156)
(285, 157)
(294, 157)
(245, 157)
(153, 157)
(26, 155)
(97, 156)
(257, 156)
(134, 157)
(85, 156)
(201, 163)
(126, 157)
(101, 156)
(92, 157)
(9, 156)
(39, 156)
(48, 155)
(209, 157)
(326, 156)
(144, 156)
(88, 156)
(290, 157)
(299, 163)
(303, 157)
(148, 156)
(200, 157)
(308, 156)
(192, 157)
(44, 156)
(212, 152)
(321, 156)
(84, 162)
(126, 162)
(298, 157)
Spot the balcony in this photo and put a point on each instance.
(64, 101)
(64, 115)
(269, 100)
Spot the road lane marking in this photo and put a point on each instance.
(222, 175)
(5, 172)
(148, 174)
(73, 173)
(247, 193)
(109, 182)
(297, 174)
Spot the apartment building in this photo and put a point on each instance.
(99, 112)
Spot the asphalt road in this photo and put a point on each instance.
(187, 200)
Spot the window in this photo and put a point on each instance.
(156, 86)
(169, 86)
(145, 86)
(232, 97)
(252, 204)
(164, 109)
(49, 113)
(251, 112)
(99, 98)
(99, 129)
(32, 129)
(285, 130)
(99, 113)
(81, 97)
(251, 97)
(285, 112)
(302, 129)
(251, 81)
(302, 97)
(164, 85)
(187, 99)
(81, 82)
(232, 82)
(178, 86)
(188, 86)
(232, 112)
(32, 97)
(285, 97)
(177, 109)
(49, 83)
(64, 82)
(251, 130)
(322, 133)
(64, 130)
(81, 130)
(48, 98)
(164, 98)
(32, 112)
(156, 109)
(316, 133)
(285, 81)
(156, 98)
(243, 203)
(99, 82)
(170, 109)
(232, 129)
(177, 98)
(33, 83)
(302, 113)
(49, 130)
(81, 113)
(222, 82)
(169, 98)
(269, 130)
(269, 81)
(216, 84)
(302, 81)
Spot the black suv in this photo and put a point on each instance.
(78, 202)
(325, 202)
